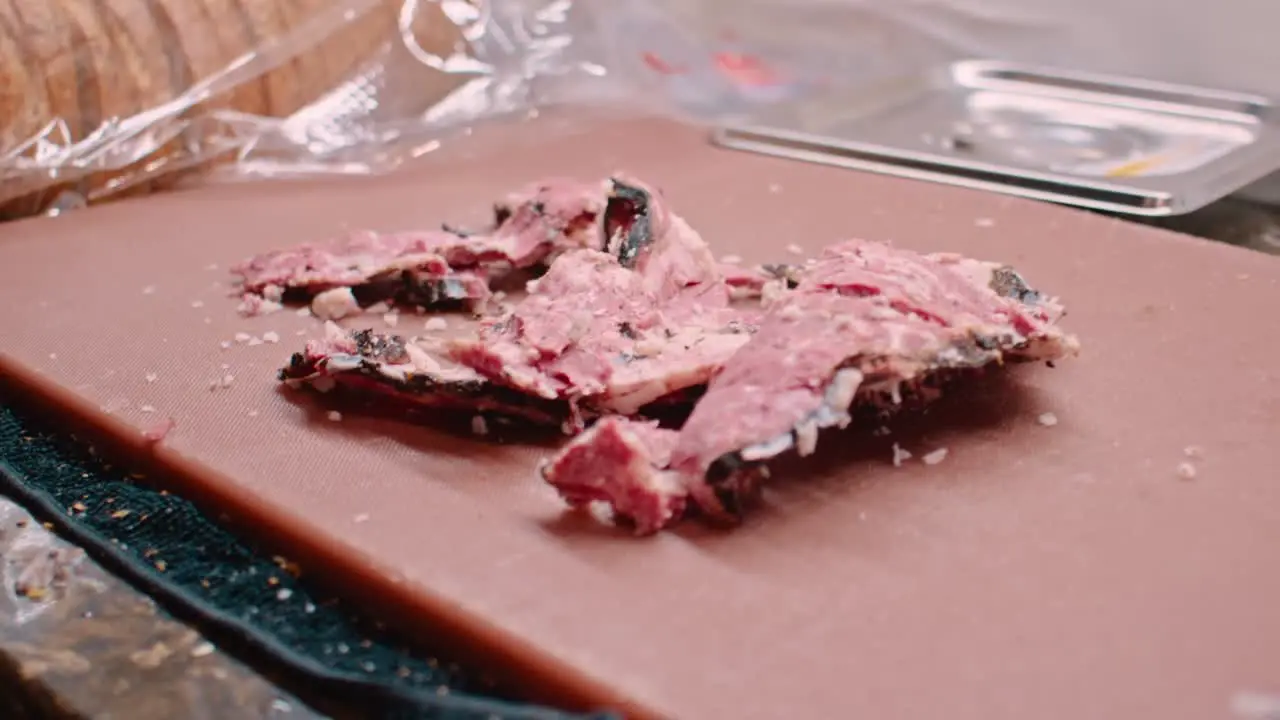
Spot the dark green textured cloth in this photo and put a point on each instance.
(173, 550)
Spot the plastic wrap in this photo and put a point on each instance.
(99, 98)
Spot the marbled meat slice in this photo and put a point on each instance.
(435, 267)
(592, 334)
(617, 330)
(408, 373)
(645, 323)
(867, 322)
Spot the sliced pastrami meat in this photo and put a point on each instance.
(868, 324)
(623, 463)
(409, 374)
(613, 333)
(868, 321)
(434, 267)
(616, 332)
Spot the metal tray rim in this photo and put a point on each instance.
(1157, 196)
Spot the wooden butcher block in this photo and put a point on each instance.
(1039, 571)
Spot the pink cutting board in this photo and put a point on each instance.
(1047, 572)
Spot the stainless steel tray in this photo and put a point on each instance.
(1109, 143)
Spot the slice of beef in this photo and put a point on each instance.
(646, 322)
(591, 333)
(614, 331)
(623, 463)
(410, 374)
(430, 268)
(867, 324)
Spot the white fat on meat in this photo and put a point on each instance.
(335, 304)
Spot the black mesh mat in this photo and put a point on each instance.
(246, 602)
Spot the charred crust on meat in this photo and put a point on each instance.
(441, 290)
(297, 367)
(723, 468)
(729, 501)
(439, 293)
(452, 230)
(501, 213)
(789, 274)
(972, 351)
(471, 396)
(1006, 282)
(628, 226)
(721, 477)
(505, 324)
(434, 292)
(380, 347)
(986, 342)
(628, 332)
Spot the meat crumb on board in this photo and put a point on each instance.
(435, 324)
(151, 377)
(391, 318)
(147, 408)
(334, 416)
(795, 249)
(335, 304)
(197, 303)
(984, 222)
(157, 432)
(1047, 419)
(1186, 471)
(225, 344)
(242, 337)
(1195, 452)
(362, 517)
(270, 337)
(935, 457)
(1255, 706)
(479, 426)
(900, 455)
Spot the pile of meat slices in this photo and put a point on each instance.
(632, 315)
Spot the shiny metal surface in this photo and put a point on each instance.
(1107, 143)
